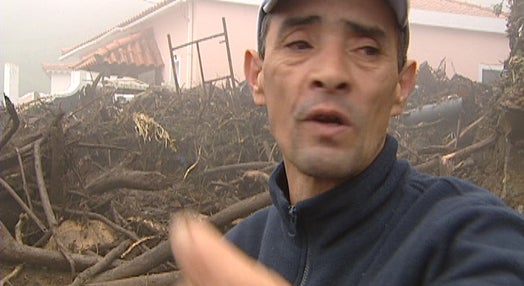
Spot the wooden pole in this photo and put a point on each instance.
(172, 56)
(228, 50)
(201, 67)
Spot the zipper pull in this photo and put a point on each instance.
(293, 214)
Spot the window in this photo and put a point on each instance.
(490, 74)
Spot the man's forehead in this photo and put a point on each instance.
(288, 16)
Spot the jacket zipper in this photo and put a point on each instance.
(293, 218)
(305, 274)
(293, 214)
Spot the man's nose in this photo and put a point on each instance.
(331, 71)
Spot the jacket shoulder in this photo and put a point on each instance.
(248, 233)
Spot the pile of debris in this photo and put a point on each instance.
(457, 127)
(443, 116)
(128, 164)
(92, 189)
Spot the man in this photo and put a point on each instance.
(345, 211)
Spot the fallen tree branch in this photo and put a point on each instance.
(18, 238)
(131, 179)
(15, 122)
(12, 274)
(85, 276)
(160, 279)
(193, 166)
(240, 166)
(11, 159)
(136, 244)
(162, 252)
(99, 146)
(24, 180)
(465, 131)
(21, 203)
(46, 204)
(241, 209)
(56, 174)
(10, 250)
(460, 154)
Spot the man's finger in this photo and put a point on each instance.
(207, 259)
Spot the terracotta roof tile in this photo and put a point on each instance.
(136, 50)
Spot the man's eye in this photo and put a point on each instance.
(299, 45)
(370, 51)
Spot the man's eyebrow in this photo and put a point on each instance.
(296, 22)
(360, 29)
(365, 30)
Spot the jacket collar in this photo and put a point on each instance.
(355, 198)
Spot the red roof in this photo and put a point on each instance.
(137, 50)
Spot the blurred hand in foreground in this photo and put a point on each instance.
(205, 258)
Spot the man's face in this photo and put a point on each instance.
(330, 82)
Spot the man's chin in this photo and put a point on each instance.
(326, 166)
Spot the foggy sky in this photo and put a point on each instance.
(33, 32)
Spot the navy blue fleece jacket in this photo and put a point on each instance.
(391, 225)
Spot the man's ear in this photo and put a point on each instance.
(254, 76)
(406, 82)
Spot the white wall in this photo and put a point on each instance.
(12, 82)
(465, 43)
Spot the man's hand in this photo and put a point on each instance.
(207, 259)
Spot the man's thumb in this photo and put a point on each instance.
(207, 259)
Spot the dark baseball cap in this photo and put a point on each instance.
(400, 7)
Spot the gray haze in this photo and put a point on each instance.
(33, 32)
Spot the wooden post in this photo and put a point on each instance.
(201, 67)
(228, 53)
(173, 66)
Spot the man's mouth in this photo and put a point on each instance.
(328, 119)
(327, 122)
(331, 116)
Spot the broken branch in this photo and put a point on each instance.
(83, 277)
(131, 179)
(162, 252)
(240, 166)
(46, 204)
(20, 202)
(14, 126)
(424, 167)
(160, 279)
